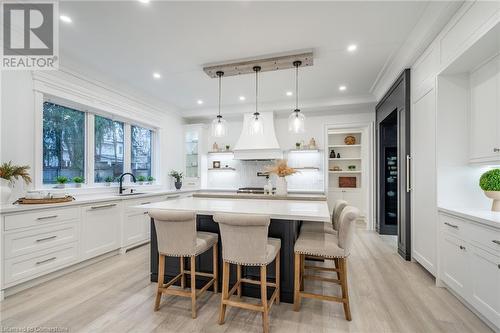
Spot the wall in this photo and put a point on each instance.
(20, 109)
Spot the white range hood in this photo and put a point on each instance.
(262, 146)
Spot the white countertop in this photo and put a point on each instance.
(276, 209)
(88, 199)
(482, 216)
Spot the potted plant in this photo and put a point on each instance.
(78, 181)
(141, 180)
(490, 184)
(108, 180)
(282, 170)
(61, 181)
(227, 147)
(10, 173)
(151, 179)
(297, 145)
(178, 178)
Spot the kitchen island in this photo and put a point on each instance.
(286, 217)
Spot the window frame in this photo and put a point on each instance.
(89, 142)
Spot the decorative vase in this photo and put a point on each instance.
(60, 186)
(78, 185)
(281, 186)
(178, 185)
(5, 191)
(495, 195)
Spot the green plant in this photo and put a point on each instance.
(297, 144)
(490, 180)
(176, 174)
(11, 172)
(141, 178)
(151, 178)
(78, 180)
(109, 179)
(62, 179)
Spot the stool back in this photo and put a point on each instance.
(337, 210)
(347, 223)
(244, 237)
(175, 232)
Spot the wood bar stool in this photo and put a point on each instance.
(177, 237)
(245, 243)
(331, 228)
(328, 247)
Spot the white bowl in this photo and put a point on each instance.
(495, 195)
(59, 195)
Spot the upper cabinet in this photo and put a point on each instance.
(485, 112)
(193, 152)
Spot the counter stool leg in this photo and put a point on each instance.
(278, 278)
(225, 292)
(263, 296)
(216, 268)
(161, 271)
(345, 294)
(296, 285)
(183, 277)
(193, 286)
(302, 269)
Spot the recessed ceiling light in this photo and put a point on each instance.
(352, 48)
(200, 102)
(289, 93)
(242, 98)
(157, 75)
(342, 88)
(143, 1)
(65, 18)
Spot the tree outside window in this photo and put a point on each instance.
(108, 152)
(141, 151)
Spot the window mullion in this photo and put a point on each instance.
(90, 149)
(127, 149)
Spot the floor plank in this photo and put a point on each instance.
(115, 295)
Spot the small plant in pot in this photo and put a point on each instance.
(108, 180)
(490, 184)
(151, 179)
(141, 180)
(9, 173)
(178, 178)
(78, 181)
(61, 181)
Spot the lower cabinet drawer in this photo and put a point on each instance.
(43, 262)
(485, 237)
(29, 241)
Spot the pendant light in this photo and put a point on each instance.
(257, 125)
(219, 124)
(296, 120)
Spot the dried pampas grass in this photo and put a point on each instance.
(281, 169)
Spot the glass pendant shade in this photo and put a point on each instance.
(257, 125)
(296, 122)
(219, 127)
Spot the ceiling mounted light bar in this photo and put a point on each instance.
(267, 63)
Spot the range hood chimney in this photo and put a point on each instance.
(258, 146)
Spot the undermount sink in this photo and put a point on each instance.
(129, 194)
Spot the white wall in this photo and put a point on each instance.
(19, 109)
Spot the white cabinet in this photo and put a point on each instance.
(454, 264)
(484, 114)
(354, 197)
(100, 232)
(193, 150)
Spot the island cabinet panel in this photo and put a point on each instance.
(286, 230)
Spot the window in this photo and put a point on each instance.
(63, 142)
(141, 151)
(108, 153)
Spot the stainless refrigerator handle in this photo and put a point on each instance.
(408, 175)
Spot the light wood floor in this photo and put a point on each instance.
(115, 295)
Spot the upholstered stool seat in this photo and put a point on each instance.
(330, 228)
(319, 245)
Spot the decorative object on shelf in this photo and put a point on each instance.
(336, 168)
(227, 147)
(257, 126)
(282, 170)
(351, 167)
(350, 140)
(61, 181)
(216, 164)
(338, 155)
(296, 120)
(215, 147)
(178, 178)
(219, 124)
(9, 174)
(78, 181)
(312, 144)
(347, 182)
(151, 179)
(141, 180)
(490, 184)
(297, 145)
(108, 180)
(332, 154)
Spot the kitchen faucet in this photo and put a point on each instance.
(121, 180)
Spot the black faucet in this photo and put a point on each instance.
(121, 180)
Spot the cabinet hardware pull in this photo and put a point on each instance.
(46, 238)
(408, 175)
(146, 203)
(46, 260)
(496, 150)
(451, 225)
(103, 206)
(46, 217)
(462, 247)
(173, 197)
(497, 242)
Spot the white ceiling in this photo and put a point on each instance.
(128, 41)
